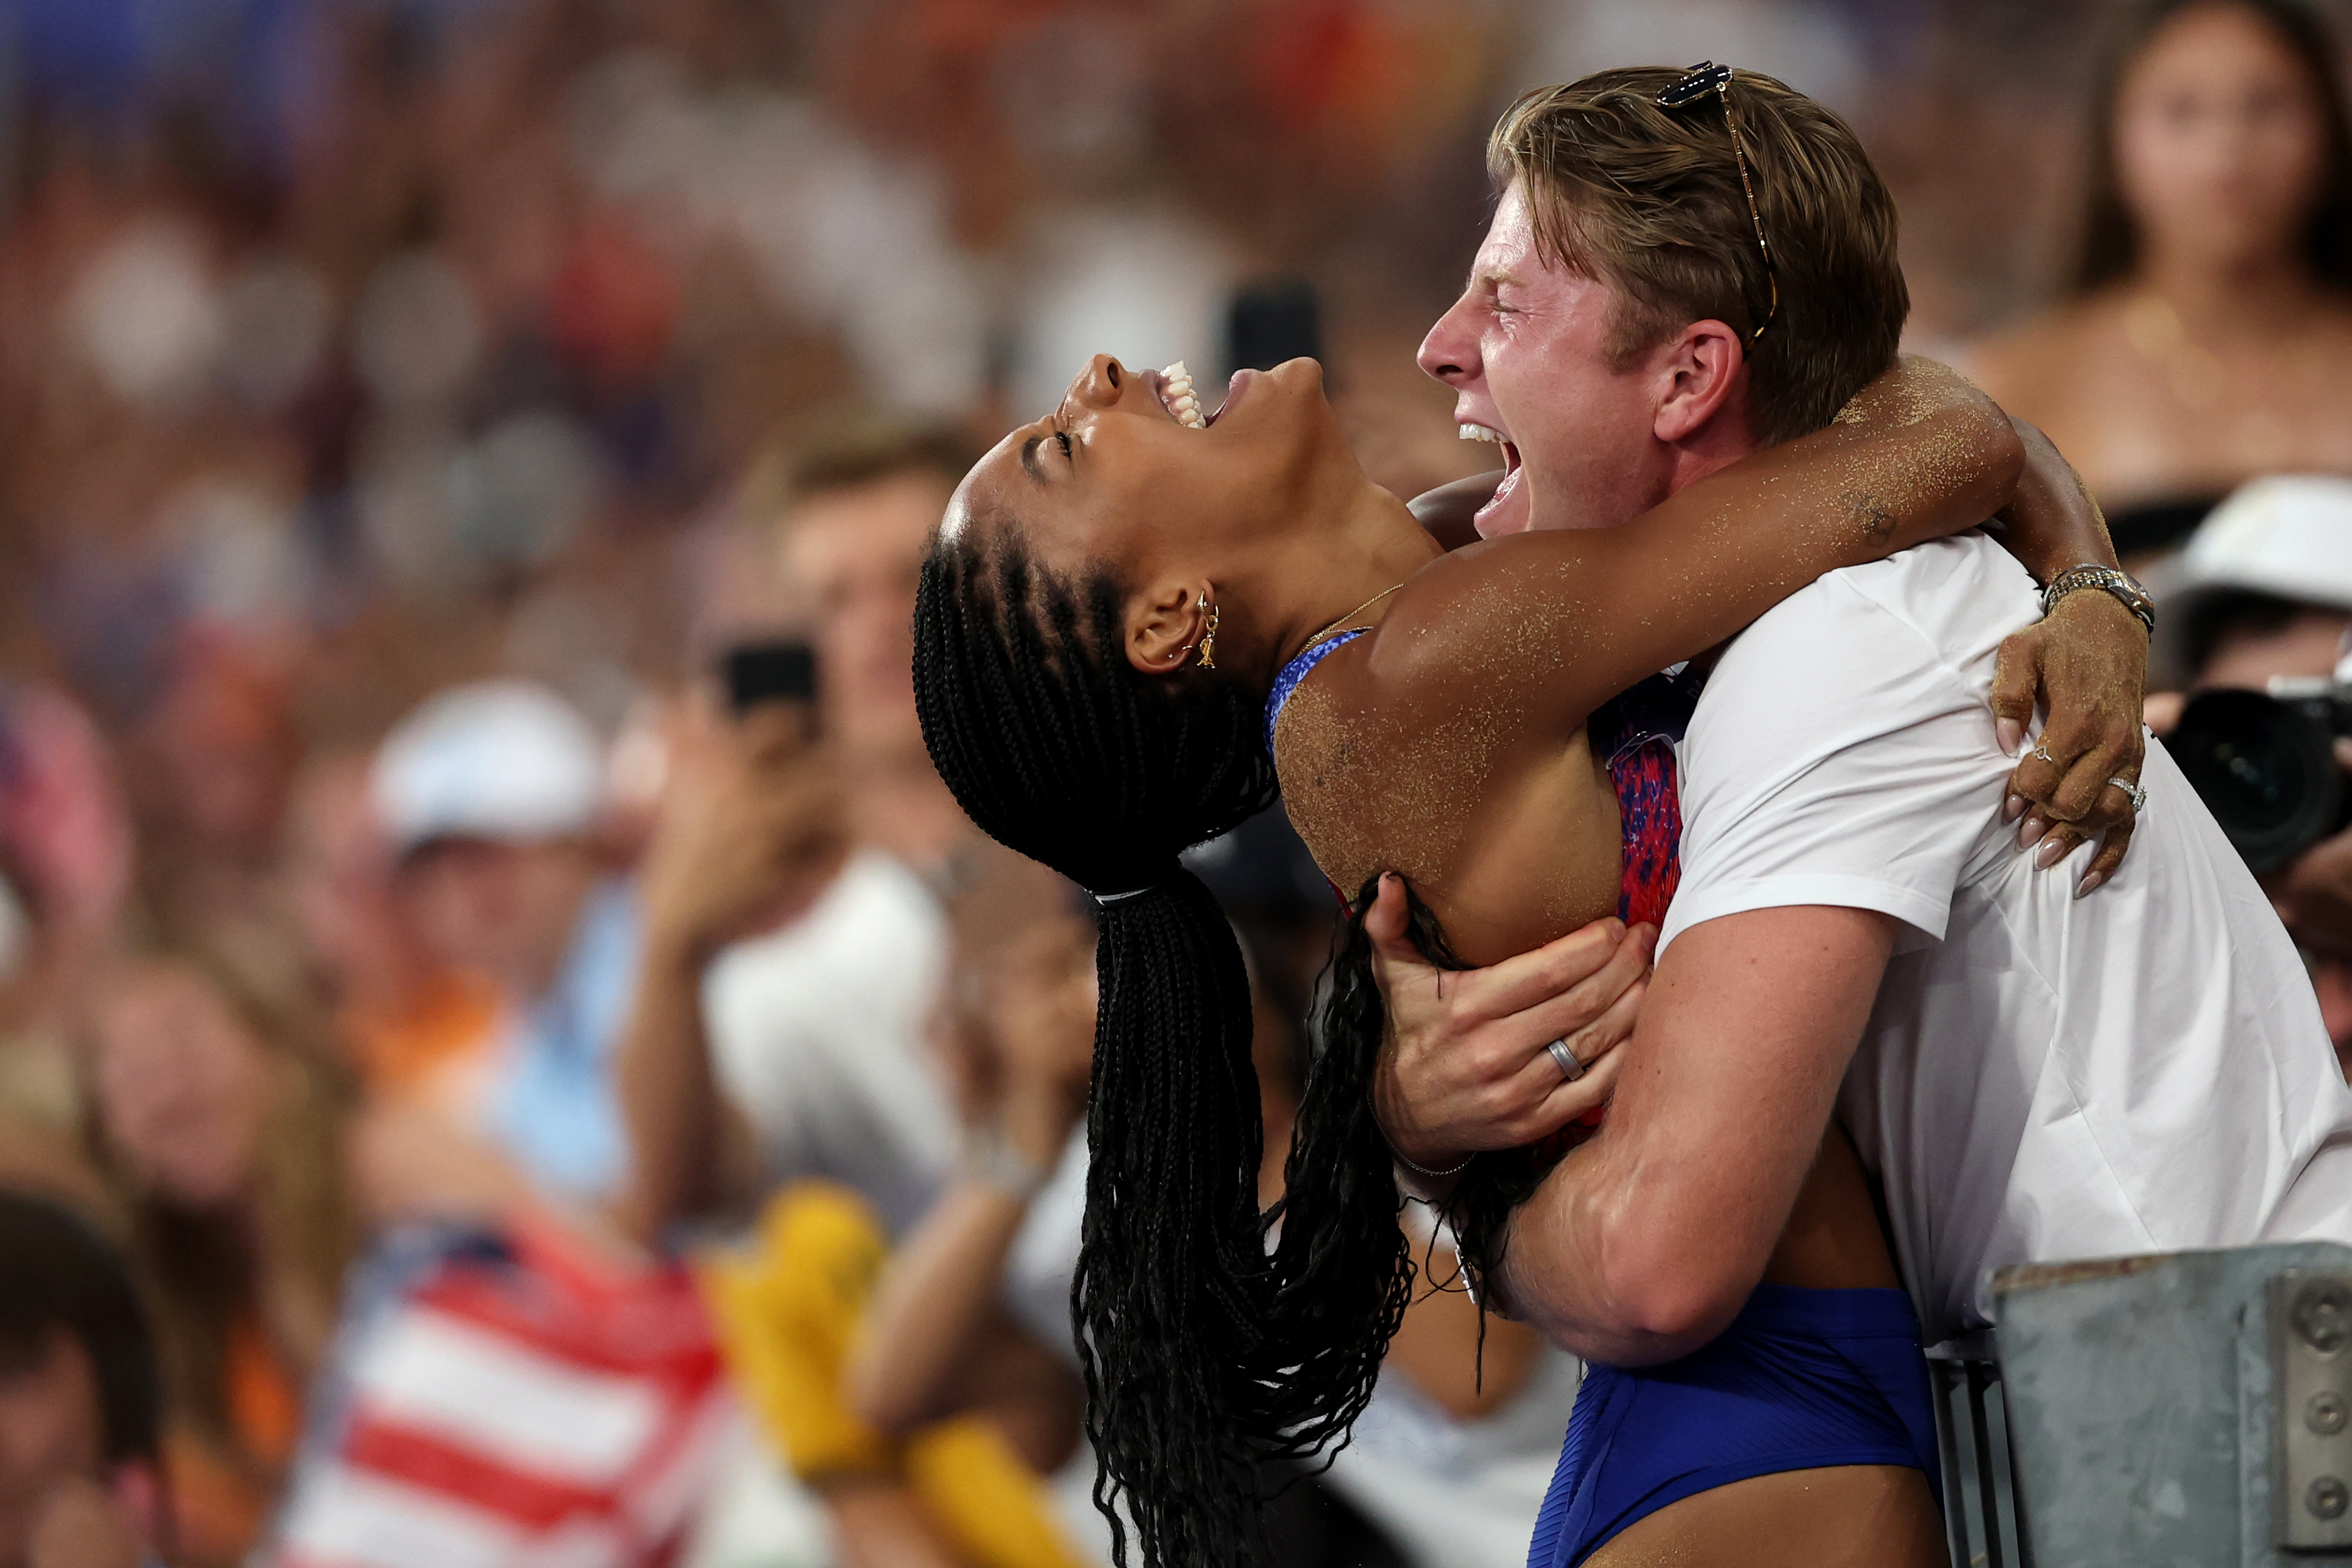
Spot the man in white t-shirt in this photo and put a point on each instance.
(2030, 1074)
(813, 829)
(817, 831)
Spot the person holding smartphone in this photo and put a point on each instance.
(792, 944)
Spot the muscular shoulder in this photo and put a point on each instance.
(1376, 752)
(1393, 749)
(1844, 753)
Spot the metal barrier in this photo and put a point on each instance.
(2191, 1409)
(1981, 1522)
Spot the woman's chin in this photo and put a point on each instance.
(1302, 377)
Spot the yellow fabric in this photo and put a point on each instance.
(788, 1311)
(986, 1501)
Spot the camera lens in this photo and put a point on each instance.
(2265, 769)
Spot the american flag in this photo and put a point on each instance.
(509, 1400)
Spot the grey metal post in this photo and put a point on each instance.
(2192, 1409)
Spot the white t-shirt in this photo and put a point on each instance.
(817, 1032)
(2043, 1077)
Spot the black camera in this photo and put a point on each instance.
(2264, 765)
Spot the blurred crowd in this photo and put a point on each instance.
(507, 1049)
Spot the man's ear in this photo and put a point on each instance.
(1166, 623)
(1702, 374)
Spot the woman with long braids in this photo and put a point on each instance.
(1116, 595)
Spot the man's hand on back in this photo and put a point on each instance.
(1465, 1067)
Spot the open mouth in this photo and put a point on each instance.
(1174, 386)
(1511, 468)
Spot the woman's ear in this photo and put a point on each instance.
(1166, 623)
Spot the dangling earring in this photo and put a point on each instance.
(1209, 639)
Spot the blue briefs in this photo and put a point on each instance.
(1801, 1380)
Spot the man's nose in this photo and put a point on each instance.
(1449, 351)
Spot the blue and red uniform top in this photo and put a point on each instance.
(1636, 731)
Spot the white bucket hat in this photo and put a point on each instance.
(2289, 535)
(504, 760)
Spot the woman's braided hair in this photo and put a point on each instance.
(1212, 1337)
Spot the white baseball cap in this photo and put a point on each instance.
(2289, 535)
(505, 760)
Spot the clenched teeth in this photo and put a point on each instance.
(1478, 433)
(1181, 401)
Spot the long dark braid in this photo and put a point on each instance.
(1205, 1352)
(1339, 1139)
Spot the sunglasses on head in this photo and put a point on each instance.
(1690, 88)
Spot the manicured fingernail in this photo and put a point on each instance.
(2030, 831)
(2053, 851)
(2014, 807)
(2011, 734)
(2089, 884)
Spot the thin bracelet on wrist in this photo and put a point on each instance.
(990, 1158)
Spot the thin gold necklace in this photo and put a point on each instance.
(1351, 615)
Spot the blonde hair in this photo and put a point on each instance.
(1648, 200)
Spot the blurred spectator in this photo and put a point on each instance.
(852, 514)
(219, 1122)
(972, 1316)
(2209, 313)
(79, 1398)
(2264, 595)
(807, 1042)
(488, 795)
(407, 1018)
(2263, 589)
(814, 1028)
(64, 875)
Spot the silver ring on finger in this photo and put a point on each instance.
(2041, 752)
(2134, 793)
(1569, 1066)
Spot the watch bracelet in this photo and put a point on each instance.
(2116, 583)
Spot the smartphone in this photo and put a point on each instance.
(768, 672)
